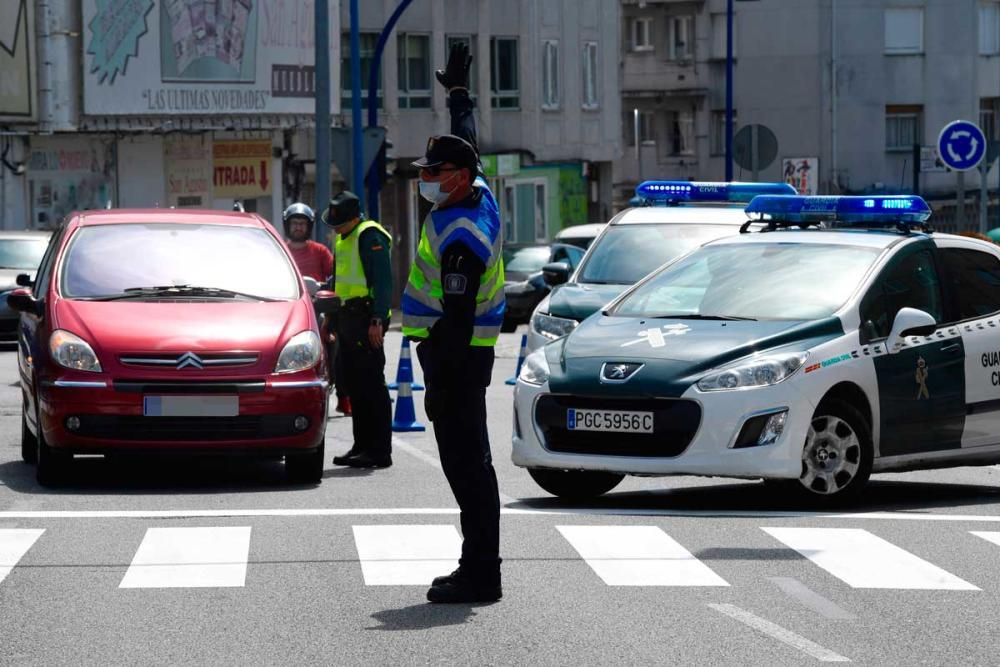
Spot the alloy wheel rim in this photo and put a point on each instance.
(831, 457)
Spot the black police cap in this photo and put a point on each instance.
(448, 148)
(343, 208)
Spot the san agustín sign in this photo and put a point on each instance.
(241, 169)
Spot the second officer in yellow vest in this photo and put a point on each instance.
(363, 280)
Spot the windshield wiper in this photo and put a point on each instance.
(697, 316)
(177, 290)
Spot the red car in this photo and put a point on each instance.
(170, 331)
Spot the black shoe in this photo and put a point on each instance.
(447, 578)
(343, 459)
(465, 589)
(368, 461)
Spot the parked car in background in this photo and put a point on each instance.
(170, 331)
(676, 217)
(580, 235)
(524, 284)
(20, 253)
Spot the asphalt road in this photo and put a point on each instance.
(224, 563)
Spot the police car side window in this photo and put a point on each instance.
(910, 282)
(974, 279)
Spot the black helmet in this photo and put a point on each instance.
(299, 210)
(343, 208)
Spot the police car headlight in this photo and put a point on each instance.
(759, 372)
(71, 351)
(300, 353)
(535, 369)
(550, 326)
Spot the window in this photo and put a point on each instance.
(590, 75)
(989, 29)
(988, 108)
(974, 278)
(904, 30)
(368, 42)
(641, 33)
(414, 58)
(647, 128)
(680, 35)
(504, 89)
(719, 36)
(718, 138)
(910, 282)
(550, 74)
(470, 41)
(903, 127)
(681, 124)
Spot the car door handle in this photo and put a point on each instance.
(953, 347)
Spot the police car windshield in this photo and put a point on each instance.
(760, 281)
(627, 253)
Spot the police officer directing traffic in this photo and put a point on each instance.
(454, 304)
(363, 280)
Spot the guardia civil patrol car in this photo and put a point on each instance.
(843, 338)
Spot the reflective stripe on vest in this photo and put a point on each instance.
(424, 297)
(350, 274)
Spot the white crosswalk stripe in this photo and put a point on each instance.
(989, 536)
(14, 543)
(863, 560)
(406, 555)
(638, 556)
(205, 557)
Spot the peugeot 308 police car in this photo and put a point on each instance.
(843, 339)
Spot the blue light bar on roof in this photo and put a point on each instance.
(694, 191)
(886, 210)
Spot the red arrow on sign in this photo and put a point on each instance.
(263, 175)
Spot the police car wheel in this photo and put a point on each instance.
(837, 455)
(575, 484)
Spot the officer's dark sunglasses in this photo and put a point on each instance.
(434, 171)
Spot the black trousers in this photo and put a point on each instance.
(362, 373)
(457, 408)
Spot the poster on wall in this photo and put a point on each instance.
(188, 169)
(241, 169)
(67, 174)
(17, 64)
(203, 57)
(802, 173)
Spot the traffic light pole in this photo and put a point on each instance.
(323, 121)
(729, 90)
(357, 150)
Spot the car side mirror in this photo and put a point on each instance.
(909, 322)
(23, 301)
(555, 273)
(326, 302)
(312, 285)
(24, 280)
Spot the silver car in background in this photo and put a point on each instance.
(20, 253)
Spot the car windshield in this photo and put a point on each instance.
(108, 260)
(627, 253)
(21, 253)
(529, 259)
(759, 281)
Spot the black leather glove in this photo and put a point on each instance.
(456, 73)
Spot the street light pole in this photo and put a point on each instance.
(729, 90)
(323, 121)
(358, 177)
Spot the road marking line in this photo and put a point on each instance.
(14, 543)
(986, 535)
(863, 560)
(206, 557)
(638, 556)
(433, 461)
(774, 630)
(406, 555)
(811, 599)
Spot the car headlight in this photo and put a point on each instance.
(535, 369)
(300, 353)
(760, 372)
(71, 351)
(550, 326)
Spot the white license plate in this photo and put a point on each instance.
(191, 406)
(617, 421)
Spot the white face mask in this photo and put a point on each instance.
(431, 191)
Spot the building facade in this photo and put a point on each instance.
(847, 87)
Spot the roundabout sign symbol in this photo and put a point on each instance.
(961, 145)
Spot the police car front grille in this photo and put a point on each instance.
(675, 423)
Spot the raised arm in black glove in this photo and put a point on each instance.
(456, 73)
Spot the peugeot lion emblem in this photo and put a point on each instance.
(618, 371)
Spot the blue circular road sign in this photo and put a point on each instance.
(961, 145)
